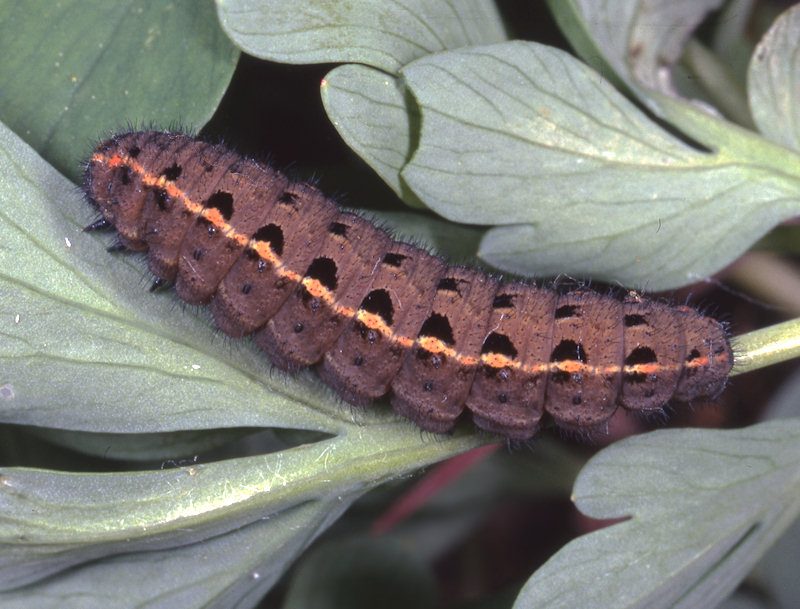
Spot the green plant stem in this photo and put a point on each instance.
(766, 347)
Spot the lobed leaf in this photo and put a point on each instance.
(578, 179)
(371, 111)
(702, 507)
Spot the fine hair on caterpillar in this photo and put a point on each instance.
(317, 286)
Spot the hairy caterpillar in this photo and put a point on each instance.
(318, 286)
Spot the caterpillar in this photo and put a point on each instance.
(317, 286)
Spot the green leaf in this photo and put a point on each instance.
(785, 402)
(773, 82)
(72, 70)
(370, 110)
(385, 34)
(232, 570)
(50, 521)
(703, 506)
(86, 347)
(580, 180)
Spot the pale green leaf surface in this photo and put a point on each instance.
(72, 70)
(50, 521)
(230, 571)
(773, 82)
(581, 181)
(368, 108)
(385, 34)
(703, 506)
(589, 39)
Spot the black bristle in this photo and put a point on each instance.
(101, 224)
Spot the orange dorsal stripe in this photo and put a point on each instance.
(370, 320)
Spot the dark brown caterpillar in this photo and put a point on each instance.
(316, 285)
